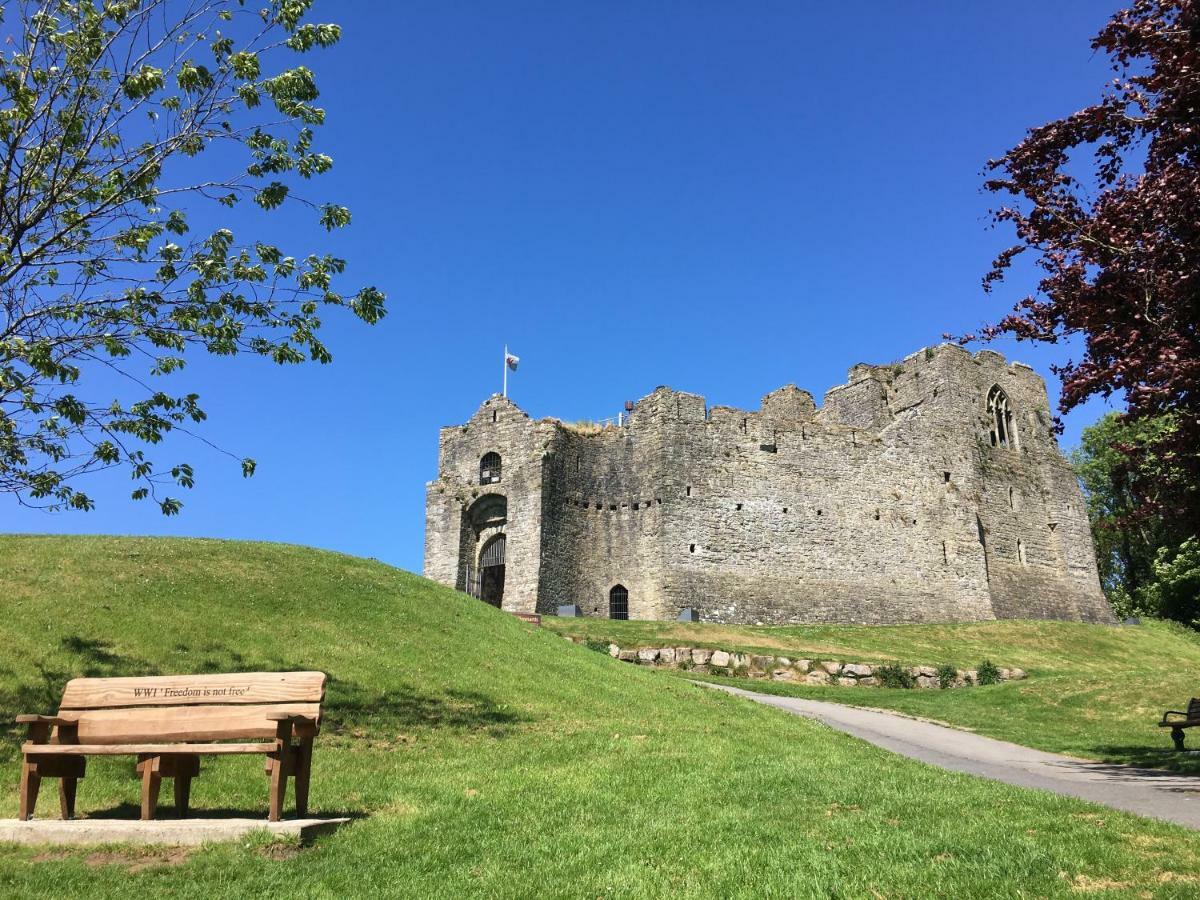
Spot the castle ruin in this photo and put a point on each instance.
(929, 490)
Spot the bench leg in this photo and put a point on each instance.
(278, 785)
(151, 782)
(1177, 737)
(30, 782)
(303, 773)
(183, 790)
(66, 796)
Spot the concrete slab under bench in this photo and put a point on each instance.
(180, 832)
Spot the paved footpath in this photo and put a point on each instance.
(1147, 792)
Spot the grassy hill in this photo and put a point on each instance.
(489, 757)
(1094, 691)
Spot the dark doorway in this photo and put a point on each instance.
(491, 571)
(618, 603)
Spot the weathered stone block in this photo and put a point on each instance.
(719, 658)
(802, 665)
(818, 676)
(614, 651)
(666, 656)
(831, 667)
(647, 654)
(858, 670)
(701, 656)
(763, 663)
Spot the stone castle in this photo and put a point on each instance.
(928, 490)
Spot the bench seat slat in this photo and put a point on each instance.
(183, 723)
(123, 749)
(194, 690)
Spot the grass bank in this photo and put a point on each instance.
(1093, 691)
(487, 757)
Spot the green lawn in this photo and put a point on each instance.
(1093, 691)
(487, 757)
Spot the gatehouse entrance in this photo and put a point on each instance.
(491, 571)
(482, 550)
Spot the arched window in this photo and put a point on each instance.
(1001, 419)
(618, 603)
(489, 469)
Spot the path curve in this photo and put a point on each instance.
(1146, 792)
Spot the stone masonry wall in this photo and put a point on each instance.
(886, 505)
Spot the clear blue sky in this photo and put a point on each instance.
(722, 197)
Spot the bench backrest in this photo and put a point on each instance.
(189, 707)
(1193, 711)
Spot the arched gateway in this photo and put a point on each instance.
(482, 548)
(491, 571)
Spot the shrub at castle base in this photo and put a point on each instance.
(929, 490)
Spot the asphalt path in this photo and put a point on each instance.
(1146, 792)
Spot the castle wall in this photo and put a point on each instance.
(888, 504)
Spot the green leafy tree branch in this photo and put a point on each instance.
(116, 118)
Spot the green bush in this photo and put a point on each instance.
(1175, 593)
(987, 673)
(946, 674)
(598, 646)
(895, 676)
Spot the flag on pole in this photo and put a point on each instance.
(511, 361)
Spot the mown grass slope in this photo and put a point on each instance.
(486, 757)
(1094, 691)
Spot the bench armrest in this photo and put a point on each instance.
(290, 724)
(48, 720)
(290, 717)
(1173, 712)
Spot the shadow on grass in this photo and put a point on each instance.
(1165, 761)
(353, 711)
(166, 812)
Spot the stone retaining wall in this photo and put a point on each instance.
(784, 668)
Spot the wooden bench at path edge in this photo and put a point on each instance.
(168, 722)
(1190, 719)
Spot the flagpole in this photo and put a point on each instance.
(505, 370)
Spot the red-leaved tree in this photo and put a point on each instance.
(1108, 201)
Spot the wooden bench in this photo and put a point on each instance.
(168, 722)
(1190, 719)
